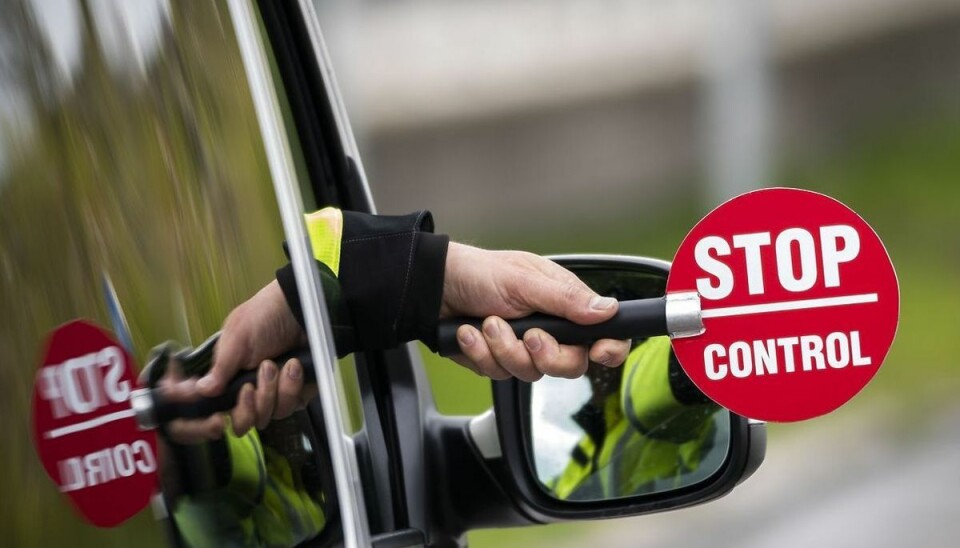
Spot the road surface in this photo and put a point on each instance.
(842, 481)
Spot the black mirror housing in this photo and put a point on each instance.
(746, 439)
(511, 403)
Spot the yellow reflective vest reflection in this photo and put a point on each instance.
(266, 501)
(650, 441)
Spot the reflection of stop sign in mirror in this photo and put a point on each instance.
(84, 428)
(799, 301)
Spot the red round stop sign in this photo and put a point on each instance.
(799, 299)
(84, 428)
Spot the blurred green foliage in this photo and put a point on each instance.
(903, 179)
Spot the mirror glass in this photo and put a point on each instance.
(637, 429)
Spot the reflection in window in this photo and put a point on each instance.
(130, 152)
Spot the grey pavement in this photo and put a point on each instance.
(843, 481)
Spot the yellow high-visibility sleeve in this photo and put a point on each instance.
(325, 228)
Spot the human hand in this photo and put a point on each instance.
(261, 328)
(501, 285)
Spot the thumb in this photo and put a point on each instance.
(572, 300)
(228, 359)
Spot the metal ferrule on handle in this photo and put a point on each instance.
(684, 315)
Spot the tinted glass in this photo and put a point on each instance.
(130, 156)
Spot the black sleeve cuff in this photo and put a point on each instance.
(391, 271)
(390, 282)
(418, 320)
(288, 284)
(343, 331)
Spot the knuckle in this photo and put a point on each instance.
(549, 365)
(511, 295)
(527, 374)
(492, 370)
(500, 375)
(609, 352)
(571, 364)
(533, 376)
(579, 363)
(240, 425)
(507, 353)
(602, 355)
(214, 429)
(570, 292)
(486, 368)
(478, 352)
(518, 361)
(287, 392)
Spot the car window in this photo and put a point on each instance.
(132, 164)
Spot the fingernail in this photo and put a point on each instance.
(269, 371)
(294, 371)
(602, 303)
(533, 342)
(491, 329)
(604, 359)
(466, 337)
(248, 397)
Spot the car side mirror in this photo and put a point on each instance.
(621, 441)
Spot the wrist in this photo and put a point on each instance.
(457, 256)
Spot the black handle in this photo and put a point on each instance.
(166, 411)
(635, 319)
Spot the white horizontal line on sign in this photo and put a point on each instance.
(87, 425)
(788, 305)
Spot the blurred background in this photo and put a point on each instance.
(614, 126)
(129, 149)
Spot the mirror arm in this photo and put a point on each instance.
(470, 488)
(485, 436)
